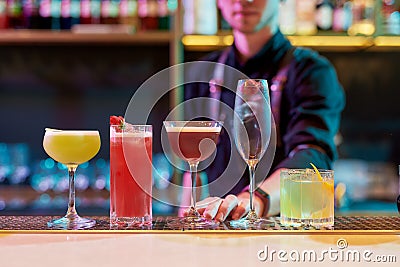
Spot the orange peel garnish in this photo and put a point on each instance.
(317, 172)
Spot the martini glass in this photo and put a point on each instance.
(193, 141)
(71, 148)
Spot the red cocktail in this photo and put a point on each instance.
(130, 175)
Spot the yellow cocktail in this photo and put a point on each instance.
(306, 198)
(71, 148)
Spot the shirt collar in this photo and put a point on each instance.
(268, 57)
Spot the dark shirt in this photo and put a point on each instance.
(312, 101)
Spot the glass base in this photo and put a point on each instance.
(130, 222)
(191, 223)
(318, 223)
(71, 222)
(252, 224)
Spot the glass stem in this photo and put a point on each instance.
(193, 174)
(252, 215)
(71, 200)
(252, 169)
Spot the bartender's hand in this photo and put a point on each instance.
(234, 207)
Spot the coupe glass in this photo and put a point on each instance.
(193, 141)
(252, 130)
(71, 148)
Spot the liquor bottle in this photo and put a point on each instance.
(14, 13)
(30, 11)
(287, 16)
(324, 15)
(95, 11)
(128, 13)
(163, 14)
(123, 10)
(75, 11)
(109, 12)
(114, 12)
(172, 8)
(105, 9)
(305, 17)
(55, 11)
(363, 18)
(338, 16)
(342, 15)
(65, 20)
(3, 14)
(85, 14)
(147, 13)
(44, 14)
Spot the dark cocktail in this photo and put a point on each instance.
(193, 141)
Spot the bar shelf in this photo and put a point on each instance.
(326, 43)
(48, 37)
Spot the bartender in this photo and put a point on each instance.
(304, 90)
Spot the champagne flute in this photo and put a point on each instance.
(252, 131)
(193, 141)
(71, 148)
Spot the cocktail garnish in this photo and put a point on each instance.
(119, 121)
(329, 185)
(317, 172)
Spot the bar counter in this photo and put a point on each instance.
(354, 241)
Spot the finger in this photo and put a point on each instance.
(203, 204)
(211, 210)
(226, 207)
(241, 209)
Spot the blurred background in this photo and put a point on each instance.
(71, 64)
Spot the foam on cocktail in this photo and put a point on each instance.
(133, 135)
(191, 129)
(50, 131)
